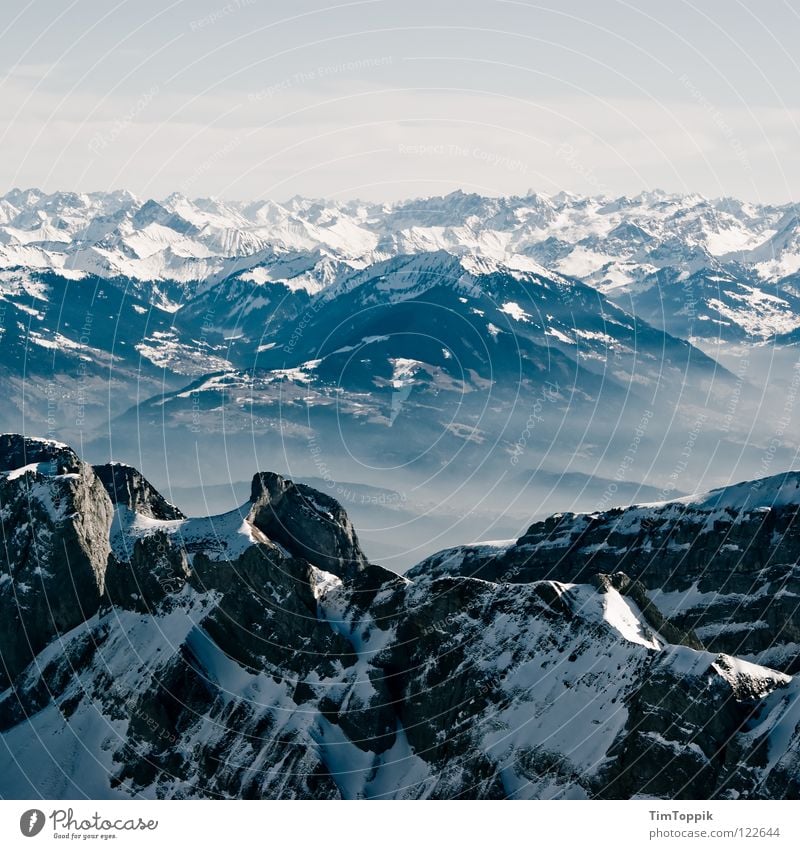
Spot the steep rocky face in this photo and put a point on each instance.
(690, 708)
(19, 452)
(126, 486)
(259, 655)
(722, 566)
(55, 516)
(307, 522)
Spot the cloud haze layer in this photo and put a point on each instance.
(382, 100)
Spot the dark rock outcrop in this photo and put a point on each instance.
(260, 655)
(128, 487)
(56, 518)
(17, 451)
(308, 523)
(722, 569)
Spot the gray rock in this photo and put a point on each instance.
(126, 486)
(279, 663)
(56, 518)
(308, 523)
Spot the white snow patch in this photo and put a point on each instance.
(515, 311)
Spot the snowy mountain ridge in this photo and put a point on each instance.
(425, 335)
(67, 230)
(274, 661)
(179, 238)
(739, 261)
(721, 565)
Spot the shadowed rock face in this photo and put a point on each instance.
(56, 518)
(126, 486)
(259, 655)
(723, 567)
(17, 451)
(306, 522)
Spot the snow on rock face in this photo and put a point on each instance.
(219, 538)
(623, 615)
(776, 491)
(515, 311)
(19, 454)
(126, 487)
(265, 635)
(56, 518)
(722, 568)
(323, 582)
(620, 245)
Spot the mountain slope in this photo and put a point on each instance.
(434, 364)
(170, 250)
(273, 661)
(722, 566)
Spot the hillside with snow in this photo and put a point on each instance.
(272, 660)
(476, 354)
(737, 262)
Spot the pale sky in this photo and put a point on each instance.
(380, 99)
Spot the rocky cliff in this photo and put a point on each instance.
(720, 568)
(258, 654)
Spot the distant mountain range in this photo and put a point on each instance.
(443, 372)
(460, 349)
(735, 263)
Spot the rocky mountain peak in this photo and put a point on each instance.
(50, 457)
(56, 518)
(306, 522)
(273, 661)
(128, 487)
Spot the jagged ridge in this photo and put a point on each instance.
(272, 660)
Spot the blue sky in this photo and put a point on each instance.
(383, 99)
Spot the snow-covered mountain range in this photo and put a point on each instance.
(259, 654)
(446, 347)
(732, 265)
